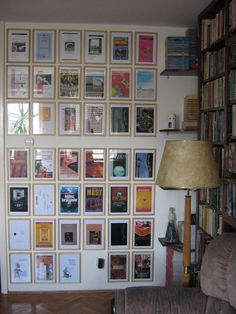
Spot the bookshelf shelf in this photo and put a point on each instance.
(179, 72)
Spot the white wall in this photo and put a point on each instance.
(171, 92)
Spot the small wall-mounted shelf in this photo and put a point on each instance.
(176, 246)
(176, 130)
(179, 72)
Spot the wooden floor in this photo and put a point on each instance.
(95, 302)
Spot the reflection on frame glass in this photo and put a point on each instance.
(44, 199)
(145, 84)
(94, 161)
(121, 47)
(119, 164)
(118, 267)
(120, 119)
(94, 119)
(69, 119)
(94, 199)
(20, 268)
(44, 233)
(18, 163)
(69, 164)
(120, 84)
(119, 199)
(144, 164)
(69, 234)
(143, 199)
(143, 233)
(145, 120)
(44, 164)
(19, 234)
(69, 199)
(95, 47)
(43, 82)
(45, 265)
(94, 234)
(18, 45)
(43, 117)
(118, 234)
(69, 267)
(18, 82)
(18, 118)
(44, 46)
(95, 83)
(146, 47)
(69, 82)
(142, 266)
(70, 46)
(19, 196)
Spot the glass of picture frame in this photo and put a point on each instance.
(20, 268)
(17, 118)
(69, 268)
(94, 199)
(94, 164)
(146, 48)
(17, 82)
(143, 233)
(18, 48)
(119, 230)
(143, 199)
(44, 234)
(119, 164)
(144, 164)
(18, 199)
(69, 199)
(118, 266)
(69, 234)
(69, 164)
(44, 164)
(94, 83)
(120, 83)
(119, 199)
(44, 46)
(18, 163)
(44, 199)
(120, 119)
(70, 46)
(43, 118)
(142, 268)
(94, 119)
(19, 234)
(121, 47)
(145, 120)
(95, 47)
(69, 82)
(44, 82)
(45, 267)
(145, 84)
(94, 234)
(69, 119)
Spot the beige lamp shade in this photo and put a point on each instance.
(188, 165)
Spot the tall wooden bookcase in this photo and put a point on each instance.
(217, 103)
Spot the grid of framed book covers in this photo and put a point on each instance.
(63, 200)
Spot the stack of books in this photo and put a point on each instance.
(190, 121)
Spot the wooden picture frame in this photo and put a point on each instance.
(120, 84)
(70, 46)
(18, 45)
(118, 267)
(69, 163)
(119, 199)
(43, 118)
(69, 268)
(45, 267)
(119, 234)
(44, 196)
(19, 234)
(145, 84)
(94, 164)
(144, 164)
(143, 233)
(94, 199)
(95, 46)
(145, 120)
(44, 234)
(120, 47)
(142, 268)
(20, 268)
(18, 163)
(19, 199)
(17, 82)
(44, 164)
(69, 119)
(120, 119)
(143, 199)
(17, 118)
(94, 234)
(69, 82)
(146, 48)
(69, 234)
(94, 119)
(44, 46)
(69, 199)
(44, 82)
(119, 164)
(94, 83)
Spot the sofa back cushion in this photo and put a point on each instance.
(218, 270)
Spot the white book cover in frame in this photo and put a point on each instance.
(70, 46)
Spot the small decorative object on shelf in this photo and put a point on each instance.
(172, 121)
(171, 231)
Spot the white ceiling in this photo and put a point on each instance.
(182, 13)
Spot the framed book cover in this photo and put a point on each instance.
(119, 199)
(69, 234)
(119, 230)
(94, 234)
(145, 120)
(44, 199)
(120, 119)
(17, 119)
(142, 268)
(70, 46)
(44, 46)
(120, 83)
(143, 233)
(94, 164)
(118, 267)
(69, 119)
(19, 234)
(18, 48)
(18, 163)
(145, 84)
(69, 82)
(45, 267)
(69, 199)
(43, 118)
(144, 164)
(146, 48)
(143, 199)
(69, 164)
(121, 47)
(119, 164)
(44, 82)
(19, 199)
(94, 199)
(44, 234)
(18, 82)
(94, 119)
(69, 267)
(94, 83)
(95, 47)
(44, 163)
(20, 268)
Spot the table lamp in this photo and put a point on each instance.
(187, 165)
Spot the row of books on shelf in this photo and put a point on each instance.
(211, 196)
(207, 219)
(231, 199)
(230, 158)
(213, 94)
(213, 63)
(232, 85)
(212, 126)
(232, 14)
(212, 29)
(232, 49)
(202, 240)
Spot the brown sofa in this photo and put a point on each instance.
(217, 294)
